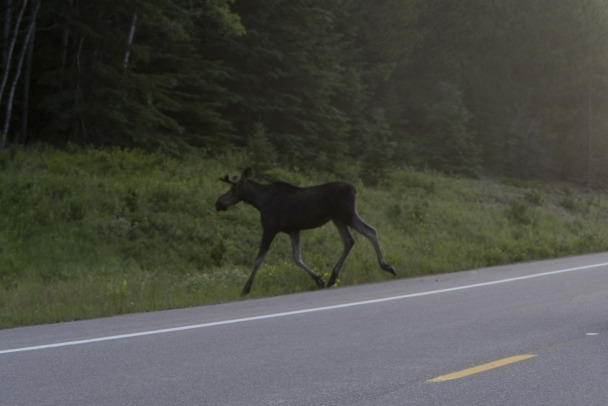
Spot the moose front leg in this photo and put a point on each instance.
(297, 257)
(267, 238)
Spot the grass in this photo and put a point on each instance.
(97, 232)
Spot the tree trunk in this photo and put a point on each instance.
(78, 73)
(12, 41)
(19, 68)
(125, 62)
(8, 16)
(26, 91)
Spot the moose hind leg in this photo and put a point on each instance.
(370, 233)
(348, 241)
(297, 257)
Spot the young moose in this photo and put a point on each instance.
(289, 209)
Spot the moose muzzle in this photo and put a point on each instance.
(220, 206)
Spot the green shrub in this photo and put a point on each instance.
(535, 197)
(520, 213)
(568, 203)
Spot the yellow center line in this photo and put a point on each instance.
(481, 368)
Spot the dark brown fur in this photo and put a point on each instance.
(290, 209)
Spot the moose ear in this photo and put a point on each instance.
(246, 173)
(226, 179)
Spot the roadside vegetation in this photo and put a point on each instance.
(89, 232)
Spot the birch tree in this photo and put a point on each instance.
(26, 38)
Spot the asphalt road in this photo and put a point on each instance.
(394, 343)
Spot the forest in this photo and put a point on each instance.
(473, 87)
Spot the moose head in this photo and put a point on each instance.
(236, 193)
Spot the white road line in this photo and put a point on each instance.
(296, 312)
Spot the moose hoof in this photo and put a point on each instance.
(389, 269)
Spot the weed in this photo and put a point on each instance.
(535, 197)
(520, 213)
(118, 295)
(568, 203)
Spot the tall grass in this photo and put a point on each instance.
(96, 232)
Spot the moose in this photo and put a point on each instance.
(290, 209)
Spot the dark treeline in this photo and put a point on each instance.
(517, 88)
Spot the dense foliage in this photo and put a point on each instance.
(512, 87)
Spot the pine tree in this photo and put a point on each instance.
(286, 71)
(450, 145)
(130, 73)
